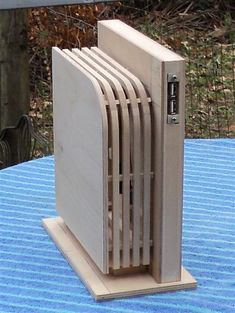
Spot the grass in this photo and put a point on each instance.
(210, 102)
(210, 79)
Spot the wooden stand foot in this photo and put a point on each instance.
(104, 286)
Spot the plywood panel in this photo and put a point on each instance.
(151, 62)
(115, 153)
(173, 136)
(81, 147)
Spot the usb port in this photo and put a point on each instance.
(173, 89)
(173, 107)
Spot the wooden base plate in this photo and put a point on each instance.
(106, 286)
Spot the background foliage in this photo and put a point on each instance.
(201, 31)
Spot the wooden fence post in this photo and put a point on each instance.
(14, 67)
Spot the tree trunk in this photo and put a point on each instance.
(14, 67)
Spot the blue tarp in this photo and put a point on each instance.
(35, 277)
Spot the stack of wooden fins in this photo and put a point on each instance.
(128, 110)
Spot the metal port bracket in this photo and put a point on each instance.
(172, 99)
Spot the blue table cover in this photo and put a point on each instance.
(35, 277)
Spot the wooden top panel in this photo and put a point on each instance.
(138, 39)
(15, 4)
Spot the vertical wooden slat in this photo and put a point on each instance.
(173, 140)
(115, 152)
(137, 149)
(125, 124)
(147, 134)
